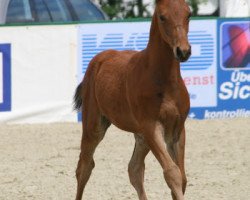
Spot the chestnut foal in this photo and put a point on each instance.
(143, 93)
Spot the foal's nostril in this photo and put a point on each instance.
(179, 52)
(183, 55)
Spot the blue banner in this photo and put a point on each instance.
(233, 72)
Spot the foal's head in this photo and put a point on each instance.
(173, 21)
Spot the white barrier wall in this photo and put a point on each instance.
(43, 73)
(40, 67)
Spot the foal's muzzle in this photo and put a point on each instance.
(182, 55)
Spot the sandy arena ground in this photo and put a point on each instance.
(38, 162)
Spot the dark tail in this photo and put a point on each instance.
(78, 97)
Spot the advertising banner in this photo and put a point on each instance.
(233, 72)
(234, 68)
(199, 73)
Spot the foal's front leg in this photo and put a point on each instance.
(171, 171)
(177, 152)
(136, 167)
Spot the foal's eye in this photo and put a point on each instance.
(162, 18)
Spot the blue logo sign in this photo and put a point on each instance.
(5, 77)
(202, 43)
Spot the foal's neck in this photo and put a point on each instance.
(160, 55)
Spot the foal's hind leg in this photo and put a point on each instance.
(136, 167)
(93, 133)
